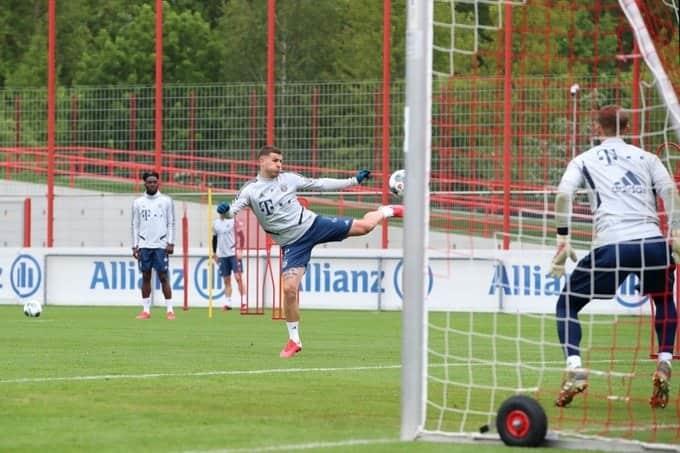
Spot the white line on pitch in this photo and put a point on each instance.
(100, 377)
(339, 444)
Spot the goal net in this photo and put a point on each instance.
(514, 89)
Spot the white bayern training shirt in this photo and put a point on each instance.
(622, 181)
(275, 204)
(226, 237)
(153, 221)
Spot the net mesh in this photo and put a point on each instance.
(484, 345)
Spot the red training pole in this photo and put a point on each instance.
(27, 222)
(158, 125)
(51, 32)
(271, 58)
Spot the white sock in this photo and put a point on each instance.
(665, 357)
(168, 305)
(387, 211)
(573, 361)
(294, 331)
(146, 303)
(227, 301)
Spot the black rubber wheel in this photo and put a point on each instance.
(521, 422)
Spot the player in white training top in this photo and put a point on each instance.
(227, 256)
(153, 238)
(622, 182)
(272, 198)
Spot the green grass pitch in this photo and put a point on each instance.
(96, 379)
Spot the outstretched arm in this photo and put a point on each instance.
(241, 201)
(329, 184)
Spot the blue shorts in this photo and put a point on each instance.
(601, 272)
(324, 229)
(229, 264)
(153, 259)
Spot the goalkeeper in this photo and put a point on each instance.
(272, 198)
(622, 182)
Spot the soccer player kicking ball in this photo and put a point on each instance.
(153, 233)
(272, 198)
(622, 183)
(226, 256)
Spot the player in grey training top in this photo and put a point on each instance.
(153, 237)
(622, 182)
(272, 198)
(227, 257)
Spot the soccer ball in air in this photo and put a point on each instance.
(397, 182)
(32, 308)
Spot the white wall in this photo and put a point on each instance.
(84, 218)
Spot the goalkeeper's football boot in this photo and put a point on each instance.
(144, 315)
(226, 307)
(575, 382)
(661, 382)
(290, 349)
(170, 316)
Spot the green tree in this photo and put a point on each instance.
(190, 51)
(23, 61)
(322, 40)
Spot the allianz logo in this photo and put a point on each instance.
(533, 280)
(124, 274)
(25, 276)
(322, 277)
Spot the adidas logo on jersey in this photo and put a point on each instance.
(629, 183)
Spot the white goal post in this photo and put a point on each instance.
(417, 150)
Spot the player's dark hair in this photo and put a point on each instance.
(267, 150)
(612, 119)
(148, 174)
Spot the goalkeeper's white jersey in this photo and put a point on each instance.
(226, 237)
(153, 221)
(622, 181)
(275, 204)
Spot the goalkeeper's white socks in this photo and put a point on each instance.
(146, 304)
(168, 305)
(574, 361)
(391, 210)
(665, 357)
(294, 331)
(387, 211)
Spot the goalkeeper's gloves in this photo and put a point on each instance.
(675, 245)
(564, 250)
(362, 175)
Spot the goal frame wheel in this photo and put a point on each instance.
(521, 422)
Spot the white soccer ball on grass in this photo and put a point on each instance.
(32, 308)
